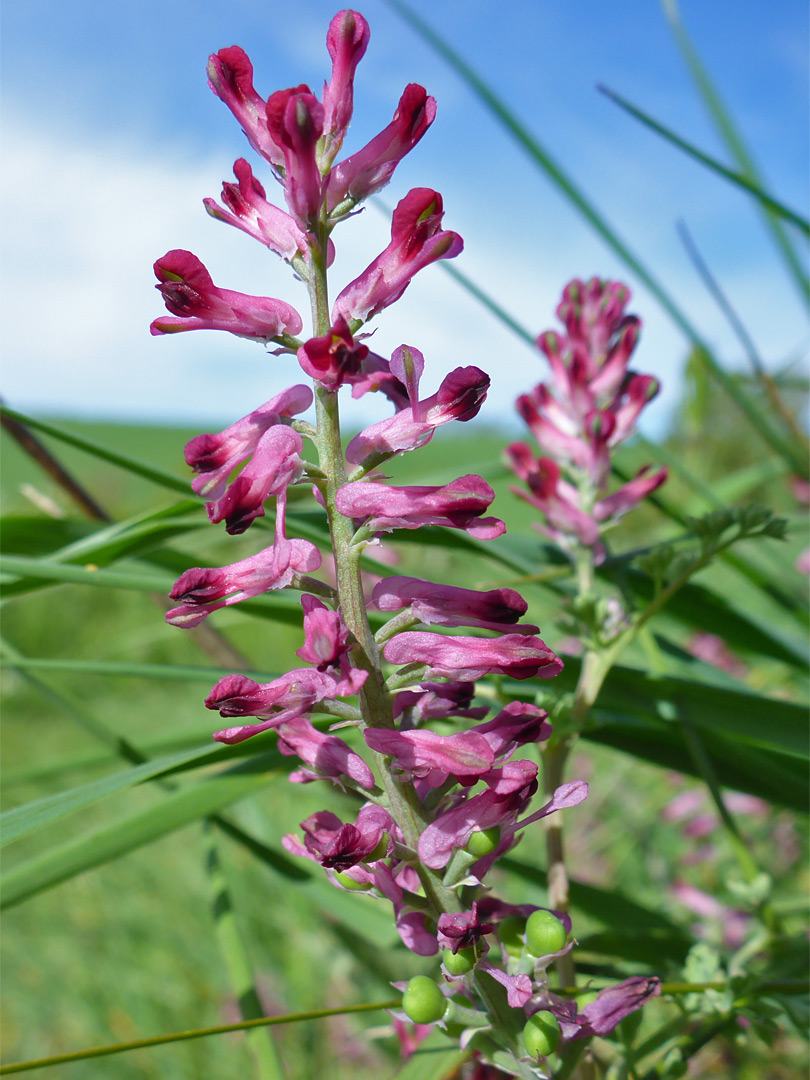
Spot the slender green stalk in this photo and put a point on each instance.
(375, 701)
(737, 178)
(183, 1036)
(728, 132)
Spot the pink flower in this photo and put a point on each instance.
(521, 656)
(459, 397)
(230, 76)
(283, 699)
(448, 605)
(347, 40)
(202, 590)
(335, 358)
(215, 456)
(338, 846)
(609, 1008)
(371, 168)
(457, 505)
(295, 122)
(554, 497)
(517, 724)
(276, 463)
(191, 295)
(509, 792)
(417, 239)
(613, 506)
(438, 701)
(326, 636)
(327, 756)
(518, 987)
(463, 930)
(249, 210)
(420, 752)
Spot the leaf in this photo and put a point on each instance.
(156, 476)
(125, 834)
(727, 129)
(48, 570)
(22, 820)
(777, 778)
(24, 534)
(737, 178)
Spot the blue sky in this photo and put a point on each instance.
(112, 139)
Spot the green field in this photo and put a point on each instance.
(128, 948)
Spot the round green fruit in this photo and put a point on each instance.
(423, 1001)
(349, 882)
(510, 934)
(544, 933)
(459, 963)
(483, 841)
(541, 1035)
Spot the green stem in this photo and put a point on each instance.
(375, 701)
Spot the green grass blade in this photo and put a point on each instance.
(777, 778)
(278, 606)
(88, 852)
(737, 178)
(700, 607)
(259, 1040)
(56, 572)
(753, 719)
(23, 820)
(138, 468)
(542, 157)
(733, 139)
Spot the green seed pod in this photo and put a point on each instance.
(483, 841)
(460, 963)
(510, 934)
(541, 1035)
(349, 882)
(380, 851)
(423, 1001)
(544, 933)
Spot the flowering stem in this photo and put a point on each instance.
(375, 701)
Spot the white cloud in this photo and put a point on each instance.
(89, 214)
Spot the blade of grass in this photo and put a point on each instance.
(46, 461)
(541, 156)
(126, 834)
(23, 820)
(138, 468)
(737, 178)
(744, 339)
(728, 131)
(259, 1040)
